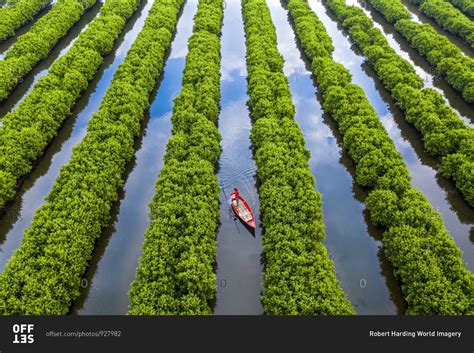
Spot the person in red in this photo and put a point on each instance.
(237, 198)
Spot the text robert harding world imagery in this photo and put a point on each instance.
(414, 334)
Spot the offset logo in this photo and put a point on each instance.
(23, 333)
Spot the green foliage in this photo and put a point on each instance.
(307, 26)
(35, 44)
(443, 131)
(445, 57)
(392, 10)
(17, 14)
(176, 272)
(466, 6)
(44, 274)
(459, 166)
(449, 18)
(299, 277)
(424, 257)
(27, 130)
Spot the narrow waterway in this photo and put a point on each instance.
(115, 259)
(27, 83)
(239, 269)
(6, 44)
(421, 66)
(39, 183)
(422, 18)
(354, 245)
(442, 194)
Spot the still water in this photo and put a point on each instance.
(115, 258)
(239, 270)
(354, 244)
(442, 194)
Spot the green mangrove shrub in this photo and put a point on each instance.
(299, 278)
(445, 135)
(425, 259)
(176, 271)
(449, 18)
(17, 14)
(465, 6)
(35, 44)
(44, 274)
(445, 57)
(28, 130)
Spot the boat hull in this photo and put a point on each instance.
(242, 209)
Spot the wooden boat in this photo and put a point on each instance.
(242, 209)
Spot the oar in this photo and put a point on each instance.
(227, 201)
(230, 216)
(223, 190)
(236, 226)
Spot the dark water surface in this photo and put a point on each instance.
(115, 259)
(40, 182)
(354, 245)
(239, 270)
